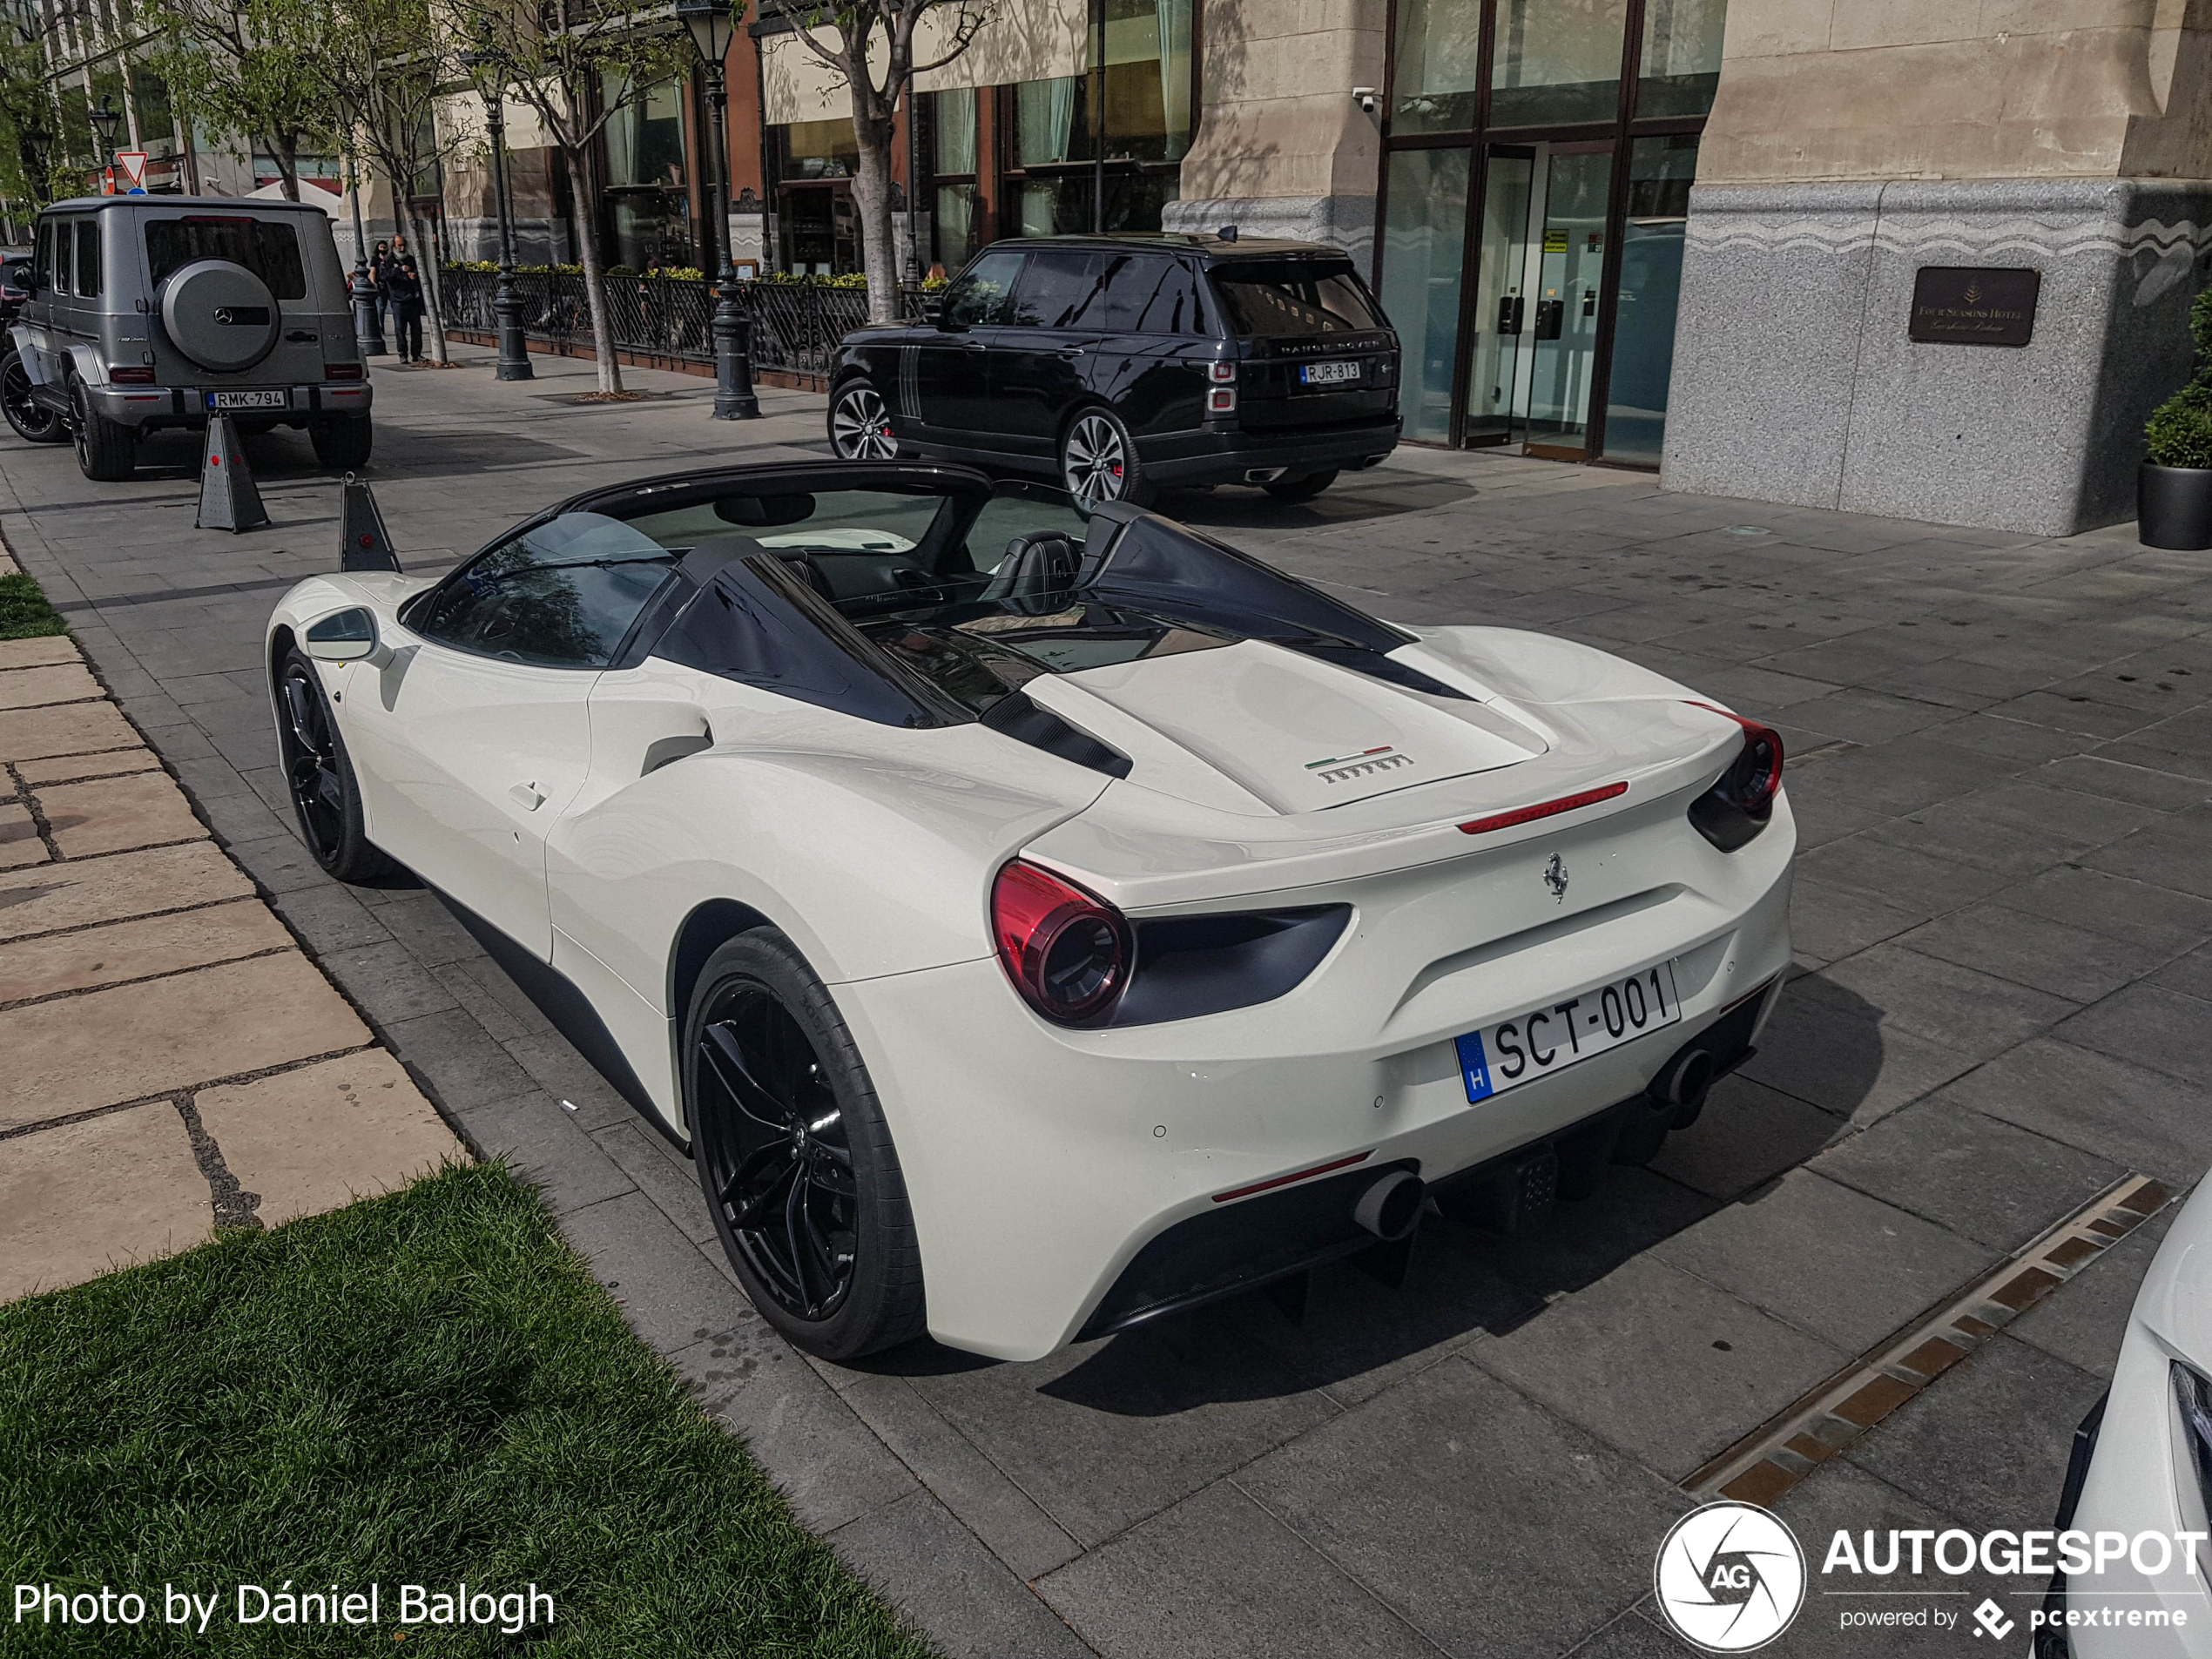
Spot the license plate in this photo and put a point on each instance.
(1535, 1044)
(279, 399)
(1328, 374)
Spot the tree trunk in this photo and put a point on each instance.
(286, 148)
(872, 201)
(595, 283)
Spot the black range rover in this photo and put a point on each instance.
(1122, 365)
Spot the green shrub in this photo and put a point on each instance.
(2179, 432)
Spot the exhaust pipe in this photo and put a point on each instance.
(1390, 1209)
(1682, 1083)
(1263, 474)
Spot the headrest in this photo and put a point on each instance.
(1036, 576)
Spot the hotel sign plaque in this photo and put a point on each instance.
(1956, 304)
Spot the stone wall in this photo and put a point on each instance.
(1283, 149)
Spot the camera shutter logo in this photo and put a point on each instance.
(1729, 1577)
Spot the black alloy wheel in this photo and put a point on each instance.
(793, 1156)
(860, 425)
(324, 798)
(107, 451)
(33, 422)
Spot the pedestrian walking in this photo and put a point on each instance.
(406, 287)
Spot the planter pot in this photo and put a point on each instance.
(2174, 507)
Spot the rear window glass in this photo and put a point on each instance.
(1293, 297)
(1146, 294)
(268, 248)
(88, 257)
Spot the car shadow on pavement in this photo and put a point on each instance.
(283, 456)
(1358, 1335)
(1353, 498)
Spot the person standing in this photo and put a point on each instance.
(379, 269)
(406, 288)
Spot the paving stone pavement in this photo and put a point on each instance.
(2003, 780)
(169, 1060)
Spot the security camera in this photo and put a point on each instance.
(1367, 96)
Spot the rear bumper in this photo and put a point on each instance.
(153, 408)
(1225, 456)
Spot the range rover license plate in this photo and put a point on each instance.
(1543, 1040)
(279, 399)
(1328, 374)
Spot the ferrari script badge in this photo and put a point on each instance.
(1555, 878)
(1337, 768)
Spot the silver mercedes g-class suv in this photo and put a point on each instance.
(147, 311)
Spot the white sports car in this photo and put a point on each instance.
(1033, 924)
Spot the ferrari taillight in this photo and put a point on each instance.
(1067, 952)
(1738, 807)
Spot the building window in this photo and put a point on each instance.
(953, 152)
(1660, 171)
(1682, 57)
(1556, 62)
(818, 150)
(648, 207)
(1423, 238)
(1437, 86)
(1125, 122)
(817, 229)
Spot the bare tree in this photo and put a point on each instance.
(384, 62)
(578, 64)
(866, 33)
(248, 67)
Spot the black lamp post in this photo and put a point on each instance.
(712, 28)
(506, 302)
(369, 328)
(104, 120)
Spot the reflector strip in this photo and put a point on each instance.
(1548, 809)
(1285, 1180)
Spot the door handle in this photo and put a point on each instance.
(529, 796)
(1071, 352)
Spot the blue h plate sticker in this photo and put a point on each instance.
(1474, 1066)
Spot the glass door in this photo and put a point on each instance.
(1542, 260)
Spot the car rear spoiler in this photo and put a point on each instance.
(363, 542)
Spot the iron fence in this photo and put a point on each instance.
(669, 321)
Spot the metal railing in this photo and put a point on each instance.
(669, 321)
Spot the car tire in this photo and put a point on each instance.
(107, 451)
(794, 1156)
(1098, 460)
(318, 775)
(33, 422)
(342, 445)
(859, 423)
(1303, 489)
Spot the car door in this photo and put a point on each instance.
(952, 380)
(478, 734)
(1152, 361)
(1038, 368)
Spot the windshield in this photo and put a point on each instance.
(1293, 298)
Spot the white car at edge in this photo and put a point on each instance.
(1032, 926)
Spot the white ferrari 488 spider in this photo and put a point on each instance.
(1032, 924)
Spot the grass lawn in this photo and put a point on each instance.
(24, 613)
(419, 1389)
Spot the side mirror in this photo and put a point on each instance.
(345, 636)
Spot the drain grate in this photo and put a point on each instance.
(1774, 1457)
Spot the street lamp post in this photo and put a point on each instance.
(506, 302)
(104, 120)
(712, 28)
(369, 328)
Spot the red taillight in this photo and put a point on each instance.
(1067, 952)
(1222, 401)
(1544, 809)
(1756, 773)
(131, 376)
(341, 371)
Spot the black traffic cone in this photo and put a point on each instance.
(228, 500)
(363, 542)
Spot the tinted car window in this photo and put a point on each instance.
(1293, 297)
(560, 596)
(1146, 294)
(65, 239)
(268, 248)
(1059, 290)
(984, 294)
(88, 257)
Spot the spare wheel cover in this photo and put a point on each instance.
(220, 314)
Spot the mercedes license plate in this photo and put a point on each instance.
(1542, 1041)
(279, 399)
(1328, 374)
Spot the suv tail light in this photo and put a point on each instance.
(1737, 807)
(1067, 952)
(130, 375)
(1221, 396)
(341, 371)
